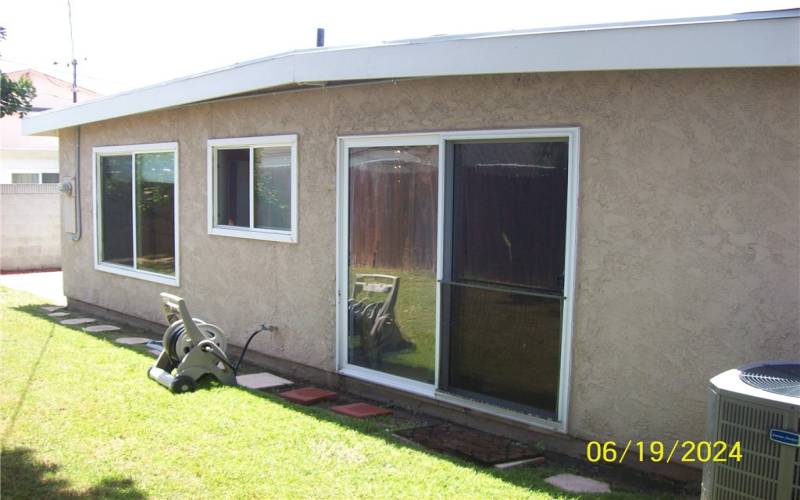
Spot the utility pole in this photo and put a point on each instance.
(74, 80)
(74, 60)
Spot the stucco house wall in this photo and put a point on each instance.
(688, 228)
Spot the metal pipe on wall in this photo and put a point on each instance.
(77, 189)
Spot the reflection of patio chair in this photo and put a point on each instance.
(374, 322)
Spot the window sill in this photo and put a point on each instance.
(255, 234)
(389, 380)
(497, 411)
(138, 274)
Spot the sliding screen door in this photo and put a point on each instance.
(503, 287)
(391, 267)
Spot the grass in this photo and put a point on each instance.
(502, 315)
(415, 316)
(80, 419)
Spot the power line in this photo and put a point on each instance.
(41, 67)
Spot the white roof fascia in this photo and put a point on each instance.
(704, 43)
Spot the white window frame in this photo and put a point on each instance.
(133, 272)
(252, 232)
(560, 424)
(342, 221)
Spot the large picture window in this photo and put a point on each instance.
(252, 187)
(136, 211)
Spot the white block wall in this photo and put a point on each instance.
(30, 227)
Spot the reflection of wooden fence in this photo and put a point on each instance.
(509, 203)
(509, 226)
(156, 220)
(393, 218)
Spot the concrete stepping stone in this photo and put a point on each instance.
(308, 395)
(361, 410)
(100, 328)
(58, 314)
(77, 321)
(261, 381)
(578, 484)
(51, 308)
(132, 340)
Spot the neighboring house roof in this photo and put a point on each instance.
(739, 40)
(51, 93)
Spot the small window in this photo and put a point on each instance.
(253, 188)
(24, 178)
(136, 211)
(50, 178)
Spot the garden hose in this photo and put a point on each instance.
(263, 328)
(220, 358)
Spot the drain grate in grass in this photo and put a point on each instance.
(474, 445)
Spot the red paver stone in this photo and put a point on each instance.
(308, 395)
(361, 410)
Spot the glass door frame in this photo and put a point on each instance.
(441, 139)
(342, 268)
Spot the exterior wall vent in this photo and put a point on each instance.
(759, 407)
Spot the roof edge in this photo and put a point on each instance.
(738, 40)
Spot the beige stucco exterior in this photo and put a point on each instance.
(688, 228)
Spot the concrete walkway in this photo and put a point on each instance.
(47, 285)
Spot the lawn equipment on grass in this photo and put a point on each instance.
(372, 318)
(193, 349)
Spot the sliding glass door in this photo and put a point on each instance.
(503, 285)
(391, 273)
(456, 265)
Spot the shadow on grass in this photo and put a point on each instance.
(532, 478)
(23, 477)
(13, 420)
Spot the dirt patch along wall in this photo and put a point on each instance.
(688, 226)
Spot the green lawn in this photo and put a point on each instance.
(80, 419)
(415, 316)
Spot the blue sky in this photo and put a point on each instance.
(132, 43)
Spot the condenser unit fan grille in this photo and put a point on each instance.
(756, 475)
(783, 379)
